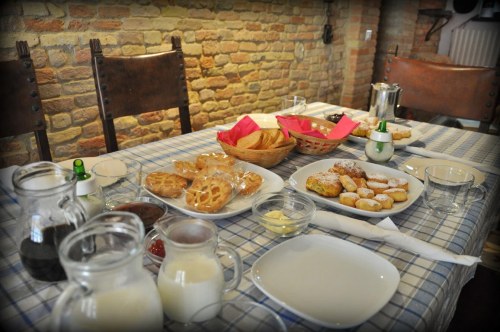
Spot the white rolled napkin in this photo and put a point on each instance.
(387, 231)
(438, 155)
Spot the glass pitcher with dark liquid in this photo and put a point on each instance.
(49, 212)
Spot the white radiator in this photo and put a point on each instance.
(476, 44)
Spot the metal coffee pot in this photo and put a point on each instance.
(385, 100)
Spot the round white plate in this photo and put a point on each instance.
(329, 281)
(299, 178)
(416, 167)
(263, 120)
(398, 144)
(272, 183)
(89, 162)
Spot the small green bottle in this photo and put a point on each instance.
(79, 169)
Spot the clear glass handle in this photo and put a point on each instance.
(479, 193)
(63, 306)
(73, 211)
(237, 266)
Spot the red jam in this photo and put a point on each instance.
(157, 248)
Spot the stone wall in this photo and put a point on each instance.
(241, 57)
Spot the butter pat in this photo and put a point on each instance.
(283, 225)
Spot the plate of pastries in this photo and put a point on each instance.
(210, 185)
(401, 135)
(358, 187)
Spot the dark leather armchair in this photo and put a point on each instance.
(131, 85)
(20, 103)
(446, 90)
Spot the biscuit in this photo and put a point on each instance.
(348, 183)
(215, 158)
(249, 183)
(365, 192)
(348, 167)
(377, 187)
(223, 171)
(348, 199)
(372, 120)
(385, 200)
(165, 184)
(186, 169)
(325, 184)
(360, 130)
(208, 194)
(398, 183)
(368, 204)
(397, 194)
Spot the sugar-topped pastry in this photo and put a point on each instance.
(377, 177)
(398, 183)
(398, 194)
(325, 184)
(368, 204)
(377, 187)
(348, 198)
(385, 200)
(365, 192)
(360, 182)
(348, 167)
(348, 183)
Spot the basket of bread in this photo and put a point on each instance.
(265, 147)
(316, 136)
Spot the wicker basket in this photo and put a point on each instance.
(314, 145)
(263, 158)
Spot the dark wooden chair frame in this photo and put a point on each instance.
(20, 102)
(131, 85)
(446, 90)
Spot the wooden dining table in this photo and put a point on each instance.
(427, 294)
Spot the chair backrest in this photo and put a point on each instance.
(444, 89)
(130, 85)
(20, 103)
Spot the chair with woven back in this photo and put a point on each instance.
(445, 90)
(131, 85)
(20, 102)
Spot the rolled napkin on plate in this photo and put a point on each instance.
(388, 232)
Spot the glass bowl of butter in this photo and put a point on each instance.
(284, 214)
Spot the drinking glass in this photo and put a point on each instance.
(447, 189)
(118, 177)
(293, 105)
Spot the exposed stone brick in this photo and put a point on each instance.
(54, 106)
(207, 62)
(60, 121)
(93, 143)
(133, 49)
(106, 25)
(84, 115)
(79, 10)
(65, 135)
(49, 90)
(149, 117)
(145, 11)
(32, 8)
(74, 73)
(42, 25)
(78, 87)
(45, 75)
(113, 11)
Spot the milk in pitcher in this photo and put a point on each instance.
(188, 285)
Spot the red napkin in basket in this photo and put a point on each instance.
(303, 126)
(242, 128)
(343, 128)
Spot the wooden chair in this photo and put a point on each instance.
(20, 103)
(445, 90)
(130, 85)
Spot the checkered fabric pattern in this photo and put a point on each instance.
(426, 297)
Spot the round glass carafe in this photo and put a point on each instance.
(108, 289)
(49, 212)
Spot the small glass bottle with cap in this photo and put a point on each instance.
(88, 192)
(380, 148)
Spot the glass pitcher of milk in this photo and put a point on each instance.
(191, 275)
(109, 289)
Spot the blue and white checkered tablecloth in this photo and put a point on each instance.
(426, 297)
